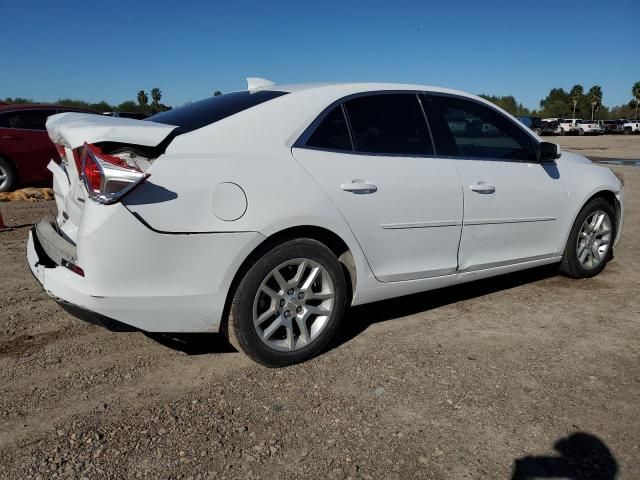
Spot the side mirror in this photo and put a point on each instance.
(549, 152)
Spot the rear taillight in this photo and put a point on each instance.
(107, 178)
(77, 158)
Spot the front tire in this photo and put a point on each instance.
(590, 243)
(289, 304)
(581, 132)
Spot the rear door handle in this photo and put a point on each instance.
(359, 187)
(482, 187)
(10, 137)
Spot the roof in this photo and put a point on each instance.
(362, 87)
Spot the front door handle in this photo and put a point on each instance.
(483, 187)
(359, 187)
(10, 137)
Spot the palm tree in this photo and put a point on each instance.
(156, 95)
(635, 91)
(576, 92)
(142, 98)
(595, 98)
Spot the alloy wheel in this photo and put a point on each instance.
(4, 178)
(293, 304)
(594, 240)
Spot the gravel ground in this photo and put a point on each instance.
(626, 147)
(523, 374)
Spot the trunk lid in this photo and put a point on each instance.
(138, 142)
(73, 129)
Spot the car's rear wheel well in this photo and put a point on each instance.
(322, 235)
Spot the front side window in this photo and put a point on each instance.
(25, 119)
(332, 133)
(465, 128)
(389, 124)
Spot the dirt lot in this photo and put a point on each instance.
(532, 371)
(604, 146)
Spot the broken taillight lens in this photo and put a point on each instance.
(107, 178)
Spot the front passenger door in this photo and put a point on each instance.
(514, 206)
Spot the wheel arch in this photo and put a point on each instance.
(330, 239)
(609, 196)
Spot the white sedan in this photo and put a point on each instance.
(265, 213)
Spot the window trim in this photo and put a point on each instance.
(325, 114)
(309, 131)
(306, 134)
(528, 133)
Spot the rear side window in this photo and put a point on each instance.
(25, 119)
(465, 128)
(332, 133)
(205, 112)
(389, 124)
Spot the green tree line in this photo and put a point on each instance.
(558, 103)
(141, 106)
(576, 103)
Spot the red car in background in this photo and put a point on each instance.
(25, 148)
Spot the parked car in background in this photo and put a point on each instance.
(25, 147)
(566, 126)
(199, 219)
(589, 127)
(551, 127)
(631, 126)
(541, 127)
(534, 123)
(570, 126)
(610, 126)
(135, 115)
(619, 125)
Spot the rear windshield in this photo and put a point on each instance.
(205, 112)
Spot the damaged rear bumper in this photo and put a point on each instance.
(152, 281)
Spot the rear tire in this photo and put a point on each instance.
(581, 132)
(8, 177)
(277, 313)
(590, 246)
(538, 131)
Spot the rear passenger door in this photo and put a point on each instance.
(514, 206)
(373, 156)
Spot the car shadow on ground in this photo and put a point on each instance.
(189, 343)
(359, 318)
(193, 343)
(582, 456)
